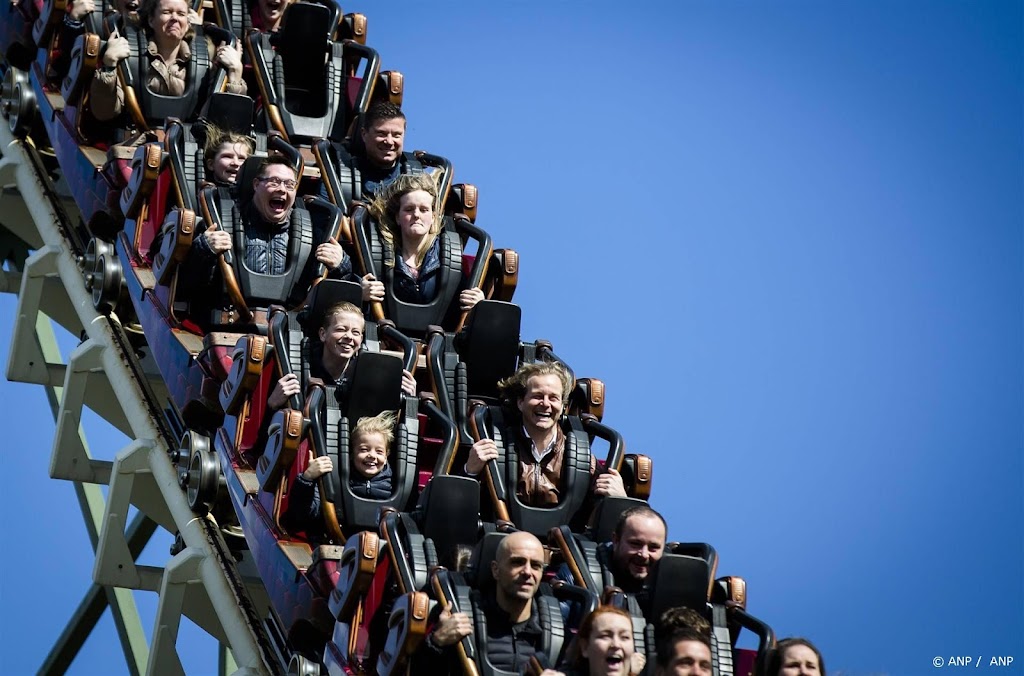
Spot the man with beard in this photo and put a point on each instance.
(638, 543)
(268, 223)
(514, 631)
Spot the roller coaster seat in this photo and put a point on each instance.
(311, 222)
(346, 173)
(381, 259)
(203, 77)
(502, 476)
(184, 143)
(479, 588)
(307, 79)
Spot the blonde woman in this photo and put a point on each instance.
(410, 220)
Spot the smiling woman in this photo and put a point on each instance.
(606, 644)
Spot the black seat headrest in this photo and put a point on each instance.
(489, 345)
(231, 112)
(679, 581)
(325, 294)
(607, 513)
(375, 385)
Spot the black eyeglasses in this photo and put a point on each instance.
(275, 182)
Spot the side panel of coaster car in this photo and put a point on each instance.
(94, 177)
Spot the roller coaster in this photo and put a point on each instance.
(99, 219)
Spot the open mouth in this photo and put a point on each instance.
(274, 7)
(278, 203)
(132, 7)
(615, 662)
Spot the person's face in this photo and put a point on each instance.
(541, 405)
(274, 192)
(518, 572)
(228, 161)
(640, 547)
(415, 214)
(799, 660)
(271, 12)
(343, 336)
(170, 21)
(383, 141)
(610, 646)
(371, 453)
(689, 658)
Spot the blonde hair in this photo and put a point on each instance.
(341, 308)
(382, 424)
(513, 388)
(217, 137)
(385, 208)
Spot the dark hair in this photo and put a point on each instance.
(682, 617)
(271, 160)
(777, 657)
(666, 645)
(641, 510)
(382, 110)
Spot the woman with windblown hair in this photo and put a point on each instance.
(408, 212)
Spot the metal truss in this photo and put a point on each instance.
(202, 580)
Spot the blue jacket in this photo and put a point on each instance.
(423, 288)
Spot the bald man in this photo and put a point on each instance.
(513, 623)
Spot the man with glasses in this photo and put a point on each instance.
(269, 221)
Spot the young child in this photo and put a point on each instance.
(370, 475)
(371, 444)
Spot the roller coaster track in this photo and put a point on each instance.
(205, 580)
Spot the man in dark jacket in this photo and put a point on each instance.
(513, 625)
(638, 543)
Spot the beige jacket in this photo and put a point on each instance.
(106, 96)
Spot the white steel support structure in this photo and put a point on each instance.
(202, 580)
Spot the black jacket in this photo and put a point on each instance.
(377, 487)
(510, 645)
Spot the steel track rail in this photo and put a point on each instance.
(253, 650)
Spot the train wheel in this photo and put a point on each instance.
(303, 666)
(18, 102)
(201, 480)
(102, 275)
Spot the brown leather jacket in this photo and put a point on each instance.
(540, 483)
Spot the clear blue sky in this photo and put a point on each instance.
(788, 236)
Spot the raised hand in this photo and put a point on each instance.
(317, 466)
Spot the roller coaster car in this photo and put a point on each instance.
(375, 613)
(330, 591)
(311, 85)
